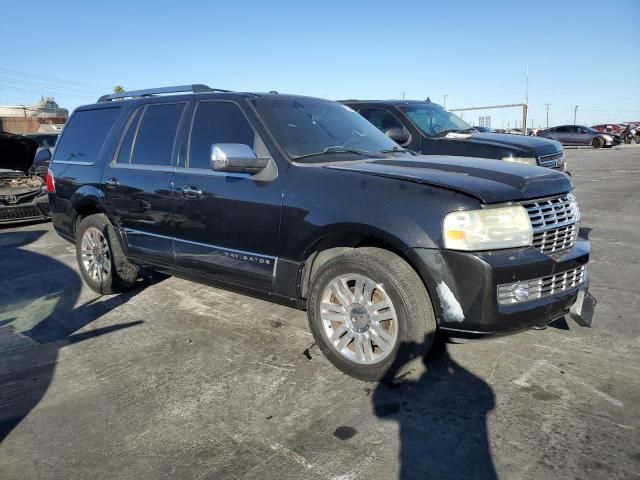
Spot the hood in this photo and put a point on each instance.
(487, 180)
(527, 145)
(16, 152)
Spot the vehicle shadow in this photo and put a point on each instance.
(442, 419)
(38, 317)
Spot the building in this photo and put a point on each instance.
(43, 116)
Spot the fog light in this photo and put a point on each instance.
(520, 291)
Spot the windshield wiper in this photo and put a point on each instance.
(334, 149)
(398, 149)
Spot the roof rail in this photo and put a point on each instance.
(195, 88)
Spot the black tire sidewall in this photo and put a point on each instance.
(412, 330)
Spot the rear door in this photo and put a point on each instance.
(138, 183)
(226, 224)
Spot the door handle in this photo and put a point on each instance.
(112, 182)
(191, 191)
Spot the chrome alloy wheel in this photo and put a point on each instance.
(95, 254)
(359, 319)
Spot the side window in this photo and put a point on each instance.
(153, 142)
(219, 122)
(382, 119)
(124, 152)
(562, 129)
(84, 135)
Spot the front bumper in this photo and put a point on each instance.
(36, 209)
(464, 287)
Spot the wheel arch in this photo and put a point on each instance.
(335, 242)
(84, 202)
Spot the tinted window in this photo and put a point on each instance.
(124, 153)
(85, 134)
(217, 122)
(154, 141)
(562, 129)
(382, 119)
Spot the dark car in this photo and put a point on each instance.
(426, 127)
(576, 135)
(23, 196)
(44, 139)
(302, 201)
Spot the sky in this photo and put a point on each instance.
(578, 52)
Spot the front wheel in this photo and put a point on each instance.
(102, 263)
(370, 314)
(598, 142)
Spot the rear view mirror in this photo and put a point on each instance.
(398, 135)
(235, 157)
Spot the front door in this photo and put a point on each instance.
(226, 224)
(138, 182)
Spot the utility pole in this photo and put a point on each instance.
(575, 113)
(547, 107)
(403, 95)
(444, 103)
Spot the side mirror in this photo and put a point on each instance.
(398, 135)
(43, 155)
(235, 157)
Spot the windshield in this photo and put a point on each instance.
(434, 120)
(312, 127)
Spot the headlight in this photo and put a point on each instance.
(525, 160)
(488, 229)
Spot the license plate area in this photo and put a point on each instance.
(582, 310)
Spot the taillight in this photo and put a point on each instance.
(51, 184)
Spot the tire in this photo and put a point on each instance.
(101, 261)
(598, 142)
(364, 348)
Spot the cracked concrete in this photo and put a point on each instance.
(181, 380)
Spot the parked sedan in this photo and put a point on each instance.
(579, 135)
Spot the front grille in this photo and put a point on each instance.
(528, 290)
(555, 223)
(8, 214)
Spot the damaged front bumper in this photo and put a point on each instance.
(23, 199)
(503, 291)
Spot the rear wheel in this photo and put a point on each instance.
(598, 142)
(102, 263)
(370, 314)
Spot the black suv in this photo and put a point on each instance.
(302, 201)
(428, 128)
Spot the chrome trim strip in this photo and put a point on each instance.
(212, 173)
(148, 168)
(72, 162)
(207, 245)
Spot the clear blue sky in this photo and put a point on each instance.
(579, 52)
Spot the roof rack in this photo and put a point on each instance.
(195, 88)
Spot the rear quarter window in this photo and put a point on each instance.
(85, 134)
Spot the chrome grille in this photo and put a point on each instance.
(555, 223)
(551, 160)
(527, 290)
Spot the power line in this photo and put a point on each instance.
(52, 79)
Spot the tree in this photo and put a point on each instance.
(118, 89)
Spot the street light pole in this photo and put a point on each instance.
(547, 106)
(575, 113)
(444, 103)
